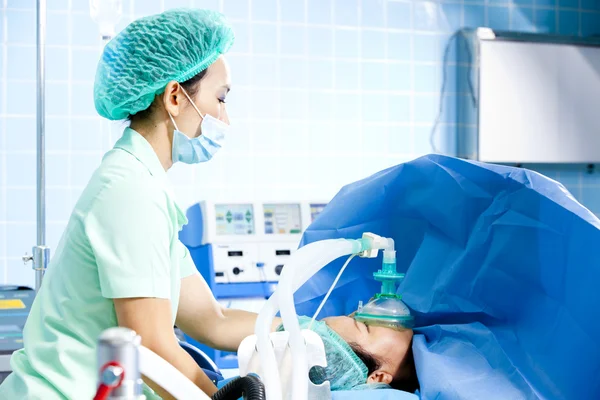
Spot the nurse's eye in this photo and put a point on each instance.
(222, 101)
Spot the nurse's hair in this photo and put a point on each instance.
(191, 86)
(406, 379)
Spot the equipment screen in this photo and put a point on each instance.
(234, 219)
(315, 210)
(282, 219)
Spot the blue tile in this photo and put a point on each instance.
(464, 79)
(400, 139)
(242, 37)
(20, 134)
(240, 73)
(546, 3)
(294, 73)
(147, 7)
(320, 74)
(399, 77)
(80, 6)
(498, 18)
(264, 39)
(86, 135)
(346, 12)
(373, 44)
(524, 2)
(426, 107)
(372, 14)
(398, 46)
(425, 78)
(448, 44)
(21, 238)
(85, 32)
(83, 99)
(422, 140)
(568, 23)
(319, 11)
(21, 169)
(57, 98)
(398, 108)
(346, 75)
(467, 112)
(294, 104)
(590, 197)
(522, 20)
(236, 9)
(21, 4)
(373, 76)
(347, 107)
(57, 204)
(320, 105)
(373, 107)
(22, 97)
(292, 10)
(449, 110)
(84, 64)
(453, 14)
(238, 103)
(61, 5)
(346, 43)
(590, 24)
(262, 97)
(568, 3)
(57, 134)
(399, 15)
(57, 29)
(264, 72)
(570, 176)
(378, 140)
(264, 10)
(185, 3)
(82, 168)
(427, 16)
(205, 4)
(320, 42)
(292, 40)
(425, 48)
(545, 21)
(499, 2)
(57, 170)
(21, 62)
(57, 64)
(21, 27)
(474, 16)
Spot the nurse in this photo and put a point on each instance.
(120, 262)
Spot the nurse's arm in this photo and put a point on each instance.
(151, 319)
(204, 319)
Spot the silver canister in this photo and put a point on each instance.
(120, 345)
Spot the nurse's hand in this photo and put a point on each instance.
(151, 319)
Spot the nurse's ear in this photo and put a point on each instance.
(380, 376)
(173, 98)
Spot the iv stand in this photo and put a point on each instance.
(41, 253)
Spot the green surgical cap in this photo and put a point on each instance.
(152, 51)
(344, 371)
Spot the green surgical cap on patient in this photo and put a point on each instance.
(152, 51)
(344, 371)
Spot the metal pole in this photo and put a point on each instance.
(41, 253)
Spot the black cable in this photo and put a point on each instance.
(443, 89)
(250, 387)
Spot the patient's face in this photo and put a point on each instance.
(388, 345)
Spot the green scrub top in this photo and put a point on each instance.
(121, 242)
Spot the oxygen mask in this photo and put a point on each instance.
(386, 308)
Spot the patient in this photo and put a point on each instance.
(363, 357)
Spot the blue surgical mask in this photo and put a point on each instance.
(202, 148)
